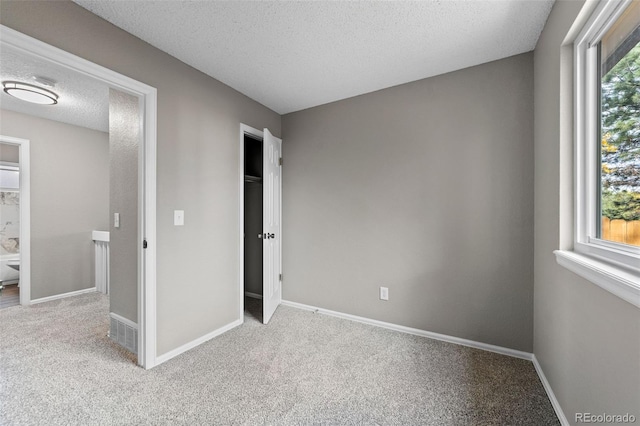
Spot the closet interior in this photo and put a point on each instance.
(253, 199)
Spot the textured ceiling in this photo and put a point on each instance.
(83, 101)
(294, 55)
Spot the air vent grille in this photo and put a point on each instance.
(124, 334)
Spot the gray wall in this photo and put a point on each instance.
(586, 340)
(198, 154)
(10, 153)
(425, 188)
(69, 199)
(124, 137)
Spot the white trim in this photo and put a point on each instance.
(601, 20)
(123, 320)
(280, 225)
(63, 295)
(192, 344)
(609, 265)
(586, 137)
(609, 250)
(415, 331)
(623, 283)
(24, 161)
(552, 396)
(147, 315)
(244, 129)
(148, 96)
(253, 295)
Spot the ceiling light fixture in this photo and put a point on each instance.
(30, 93)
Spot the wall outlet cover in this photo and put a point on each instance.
(384, 293)
(178, 217)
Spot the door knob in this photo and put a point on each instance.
(268, 235)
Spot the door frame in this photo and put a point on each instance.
(24, 158)
(147, 96)
(244, 129)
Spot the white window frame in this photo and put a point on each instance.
(610, 265)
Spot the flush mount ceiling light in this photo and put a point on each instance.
(30, 93)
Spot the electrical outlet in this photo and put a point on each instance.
(384, 293)
(178, 217)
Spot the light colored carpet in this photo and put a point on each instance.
(57, 367)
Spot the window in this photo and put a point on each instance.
(607, 151)
(619, 121)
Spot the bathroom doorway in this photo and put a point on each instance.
(10, 222)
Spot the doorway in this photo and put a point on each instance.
(145, 216)
(15, 271)
(260, 223)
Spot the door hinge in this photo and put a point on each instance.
(280, 161)
(144, 244)
(280, 277)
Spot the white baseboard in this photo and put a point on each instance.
(451, 339)
(552, 397)
(253, 295)
(409, 330)
(415, 331)
(63, 295)
(192, 344)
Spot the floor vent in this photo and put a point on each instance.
(124, 332)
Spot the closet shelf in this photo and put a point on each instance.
(254, 179)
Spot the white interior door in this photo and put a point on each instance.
(271, 225)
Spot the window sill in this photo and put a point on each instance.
(620, 281)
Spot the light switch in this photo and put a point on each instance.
(178, 217)
(116, 220)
